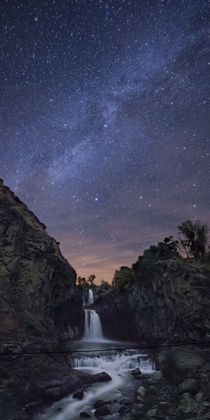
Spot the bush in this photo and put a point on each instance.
(122, 277)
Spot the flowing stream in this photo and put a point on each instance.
(94, 357)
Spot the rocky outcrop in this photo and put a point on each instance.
(179, 390)
(39, 299)
(40, 310)
(29, 384)
(166, 301)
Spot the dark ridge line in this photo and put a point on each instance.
(207, 344)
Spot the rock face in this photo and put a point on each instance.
(40, 310)
(39, 299)
(181, 390)
(166, 301)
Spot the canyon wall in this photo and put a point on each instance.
(40, 312)
(39, 299)
(167, 300)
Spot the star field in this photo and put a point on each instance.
(104, 124)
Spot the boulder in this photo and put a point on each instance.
(99, 404)
(136, 372)
(102, 377)
(59, 410)
(102, 412)
(189, 385)
(83, 414)
(187, 404)
(152, 412)
(78, 395)
(122, 409)
(141, 391)
(155, 377)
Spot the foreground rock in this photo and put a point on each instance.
(29, 384)
(78, 395)
(102, 412)
(102, 377)
(181, 388)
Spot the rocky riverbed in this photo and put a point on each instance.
(170, 383)
(179, 390)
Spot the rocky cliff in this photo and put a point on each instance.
(39, 299)
(40, 309)
(167, 300)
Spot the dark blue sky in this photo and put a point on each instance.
(104, 121)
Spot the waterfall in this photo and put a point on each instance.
(93, 327)
(90, 297)
(119, 361)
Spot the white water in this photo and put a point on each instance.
(93, 327)
(119, 366)
(125, 360)
(90, 297)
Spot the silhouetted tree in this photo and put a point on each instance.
(105, 285)
(81, 281)
(195, 238)
(91, 279)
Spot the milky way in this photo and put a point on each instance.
(104, 121)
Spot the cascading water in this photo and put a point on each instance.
(90, 297)
(119, 365)
(93, 327)
(121, 361)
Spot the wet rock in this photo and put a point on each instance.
(206, 404)
(187, 403)
(102, 377)
(187, 359)
(78, 395)
(199, 396)
(114, 406)
(83, 414)
(153, 389)
(141, 391)
(155, 377)
(102, 412)
(125, 401)
(59, 410)
(99, 404)
(136, 372)
(122, 409)
(189, 385)
(152, 413)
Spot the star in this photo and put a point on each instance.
(104, 126)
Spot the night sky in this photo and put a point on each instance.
(105, 121)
